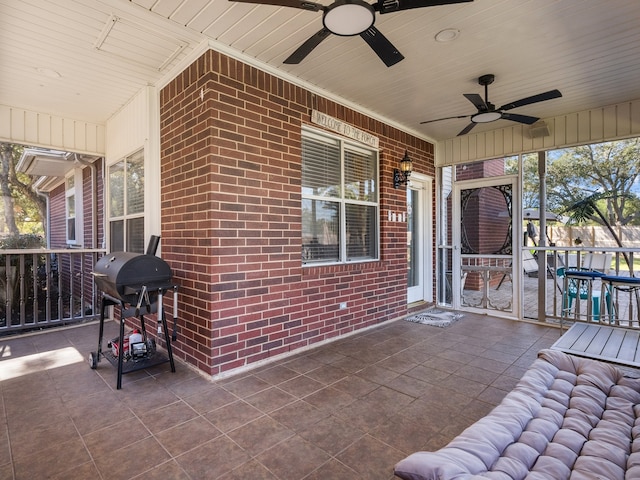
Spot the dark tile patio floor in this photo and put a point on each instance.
(346, 410)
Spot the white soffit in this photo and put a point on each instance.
(50, 163)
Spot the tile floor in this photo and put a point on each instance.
(346, 410)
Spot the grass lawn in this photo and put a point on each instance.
(623, 264)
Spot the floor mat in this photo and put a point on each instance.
(435, 317)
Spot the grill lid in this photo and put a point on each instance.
(120, 274)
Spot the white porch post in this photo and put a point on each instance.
(542, 254)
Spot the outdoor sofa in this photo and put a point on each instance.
(567, 418)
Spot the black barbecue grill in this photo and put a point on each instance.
(121, 275)
(136, 283)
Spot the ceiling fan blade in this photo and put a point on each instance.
(305, 49)
(520, 118)
(383, 47)
(305, 5)
(477, 101)
(541, 97)
(383, 6)
(445, 118)
(467, 129)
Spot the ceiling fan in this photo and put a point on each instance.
(487, 112)
(348, 18)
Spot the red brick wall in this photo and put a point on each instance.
(87, 201)
(58, 225)
(231, 219)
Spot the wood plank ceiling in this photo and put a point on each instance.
(85, 58)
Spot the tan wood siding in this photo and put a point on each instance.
(128, 128)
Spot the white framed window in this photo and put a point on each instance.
(73, 208)
(126, 204)
(340, 200)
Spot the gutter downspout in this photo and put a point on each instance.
(94, 199)
(47, 220)
(104, 203)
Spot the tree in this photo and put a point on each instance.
(590, 172)
(6, 161)
(21, 204)
(530, 178)
(588, 208)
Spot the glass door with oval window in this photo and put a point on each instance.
(419, 240)
(483, 245)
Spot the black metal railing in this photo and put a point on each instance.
(41, 288)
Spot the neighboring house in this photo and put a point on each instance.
(73, 187)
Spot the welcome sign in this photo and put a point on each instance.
(343, 128)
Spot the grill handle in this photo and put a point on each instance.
(174, 334)
(152, 248)
(160, 312)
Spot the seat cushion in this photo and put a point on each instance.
(568, 417)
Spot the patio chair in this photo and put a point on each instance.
(597, 262)
(581, 283)
(529, 265)
(529, 262)
(463, 279)
(620, 284)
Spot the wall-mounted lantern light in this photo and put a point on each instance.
(401, 176)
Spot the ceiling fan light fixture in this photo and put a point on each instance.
(486, 117)
(348, 17)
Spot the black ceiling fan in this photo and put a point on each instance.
(487, 112)
(349, 18)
